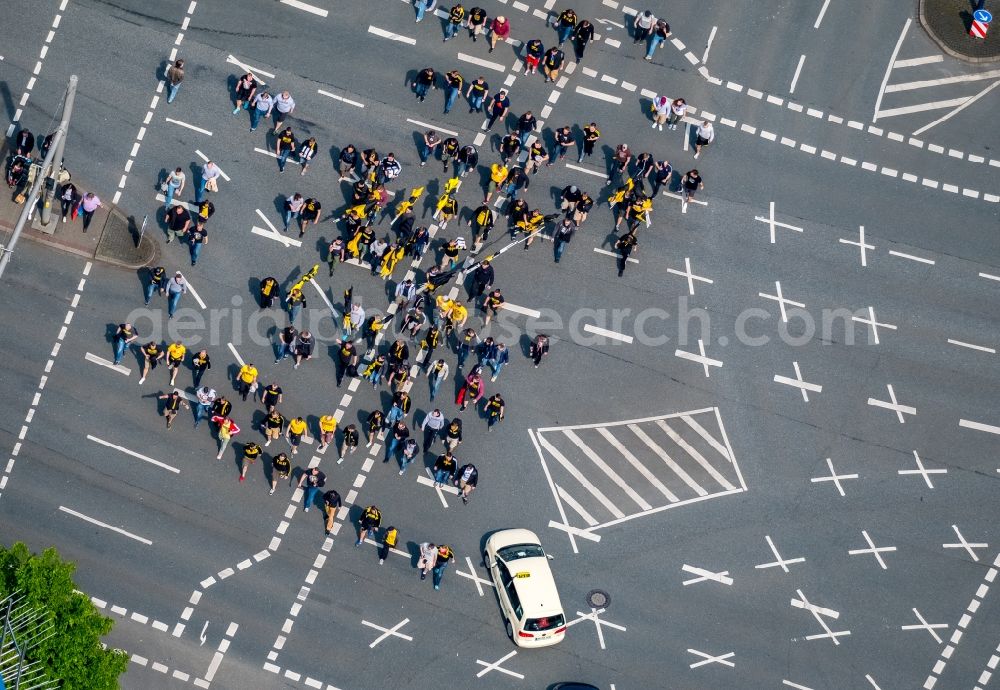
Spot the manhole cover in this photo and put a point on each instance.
(598, 599)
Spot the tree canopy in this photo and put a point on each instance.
(74, 652)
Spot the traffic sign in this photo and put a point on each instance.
(978, 29)
(982, 16)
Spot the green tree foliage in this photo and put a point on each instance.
(74, 652)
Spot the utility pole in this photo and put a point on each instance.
(47, 174)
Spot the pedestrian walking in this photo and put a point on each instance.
(281, 468)
(539, 348)
(453, 87)
(272, 426)
(642, 26)
(565, 24)
(590, 136)
(284, 146)
(427, 559)
(90, 203)
(176, 287)
(625, 245)
(374, 371)
(466, 160)
(174, 76)
(704, 135)
(286, 337)
(306, 152)
(498, 108)
(422, 6)
(251, 451)
(389, 540)
(401, 404)
(552, 62)
(678, 109)
(246, 89)
(296, 429)
(494, 410)
(349, 442)
(659, 34)
(302, 349)
(476, 23)
(449, 149)
(24, 143)
(477, 93)
(469, 341)
(482, 277)
(206, 397)
(583, 207)
(327, 431)
(173, 186)
(398, 433)
(661, 111)
(429, 149)
(472, 391)
(314, 479)
(563, 140)
(124, 336)
(347, 360)
(197, 240)
(336, 253)
(227, 429)
(533, 52)
(261, 106)
(293, 209)
(271, 396)
(175, 358)
(691, 182)
(208, 180)
(424, 82)
(284, 106)
(347, 160)
(517, 180)
(410, 449)
(69, 199)
(295, 301)
(526, 126)
(456, 15)
(200, 363)
(374, 425)
(444, 556)
(436, 375)
(370, 521)
(467, 479)
(492, 305)
(563, 235)
(331, 503)
(178, 221)
(432, 426)
(221, 407)
(444, 469)
(173, 403)
(499, 31)
(246, 380)
(619, 164)
(583, 34)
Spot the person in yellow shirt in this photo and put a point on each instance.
(444, 306)
(498, 173)
(175, 357)
(389, 260)
(457, 318)
(327, 431)
(297, 428)
(246, 379)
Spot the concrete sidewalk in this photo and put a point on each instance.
(113, 236)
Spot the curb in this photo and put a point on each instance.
(944, 46)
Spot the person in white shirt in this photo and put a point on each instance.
(209, 172)
(643, 25)
(284, 105)
(677, 111)
(705, 136)
(661, 111)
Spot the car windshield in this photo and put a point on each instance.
(512, 553)
(542, 624)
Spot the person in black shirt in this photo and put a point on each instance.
(625, 245)
(251, 451)
(173, 404)
(526, 125)
(499, 107)
(346, 161)
(303, 347)
(424, 82)
(349, 443)
(582, 35)
(314, 480)
(200, 363)
(331, 502)
(477, 22)
(271, 396)
(662, 176)
(178, 222)
(284, 146)
(281, 468)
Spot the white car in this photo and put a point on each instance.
(524, 585)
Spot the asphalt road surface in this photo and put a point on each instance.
(765, 457)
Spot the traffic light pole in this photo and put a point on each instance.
(55, 153)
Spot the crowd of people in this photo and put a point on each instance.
(394, 347)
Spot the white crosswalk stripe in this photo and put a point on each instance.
(606, 473)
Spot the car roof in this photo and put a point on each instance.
(507, 537)
(538, 593)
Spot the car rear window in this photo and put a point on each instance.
(544, 623)
(512, 553)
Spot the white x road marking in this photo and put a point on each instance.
(388, 632)
(873, 550)
(691, 277)
(925, 473)
(594, 615)
(834, 477)
(860, 244)
(780, 299)
(963, 544)
(701, 359)
(471, 575)
(798, 382)
(775, 224)
(495, 666)
(893, 405)
(273, 233)
(256, 72)
(781, 562)
(709, 659)
(924, 625)
(818, 613)
(873, 323)
(705, 575)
